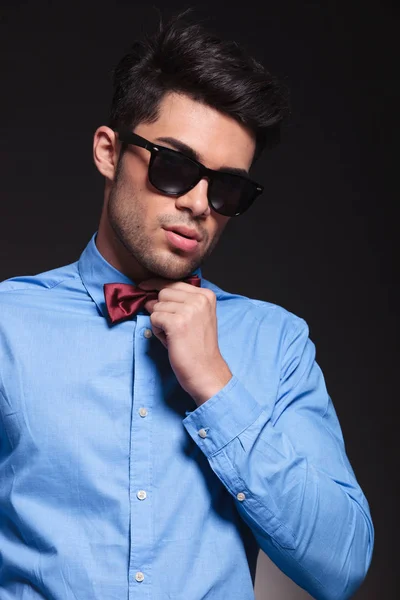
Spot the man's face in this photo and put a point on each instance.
(139, 214)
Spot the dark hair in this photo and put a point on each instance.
(186, 58)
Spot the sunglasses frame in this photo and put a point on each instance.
(129, 137)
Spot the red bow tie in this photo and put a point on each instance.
(124, 300)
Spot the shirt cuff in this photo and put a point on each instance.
(223, 417)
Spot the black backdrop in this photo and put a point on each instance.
(320, 241)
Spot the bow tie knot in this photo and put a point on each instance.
(124, 300)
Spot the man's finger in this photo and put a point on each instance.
(159, 284)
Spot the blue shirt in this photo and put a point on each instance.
(114, 485)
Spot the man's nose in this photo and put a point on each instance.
(195, 200)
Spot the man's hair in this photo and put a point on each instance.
(184, 57)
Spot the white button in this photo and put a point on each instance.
(241, 496)
(141, 494)
(139, 576)
(202, 433)
(148, 333)
(143, 412)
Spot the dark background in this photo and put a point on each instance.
(321, 239)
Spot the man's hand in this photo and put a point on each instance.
(184, 319)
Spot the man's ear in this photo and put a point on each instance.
(105, 151)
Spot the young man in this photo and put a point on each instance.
(155, 430)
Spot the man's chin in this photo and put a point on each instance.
(174, 275)
(175, 272)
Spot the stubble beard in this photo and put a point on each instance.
(125, 215)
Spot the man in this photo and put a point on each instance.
(156, 430)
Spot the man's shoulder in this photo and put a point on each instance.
(262, 312)
(39, 283)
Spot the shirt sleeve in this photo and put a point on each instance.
(289, 474)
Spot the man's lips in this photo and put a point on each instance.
(183, 243)
(186, 232)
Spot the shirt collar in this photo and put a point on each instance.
(95, 271)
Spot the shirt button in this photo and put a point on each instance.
(141, 494)
(202, 433)
(148, 333)
(139, 576)
(143, 412)
(241, 496)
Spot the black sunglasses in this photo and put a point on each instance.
(174, 173)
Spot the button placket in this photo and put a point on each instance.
(140, 483)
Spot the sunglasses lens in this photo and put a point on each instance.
(230, 195)
(172, 173)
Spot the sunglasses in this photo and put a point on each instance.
(173, 173)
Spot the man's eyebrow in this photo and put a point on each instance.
(191, 153)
